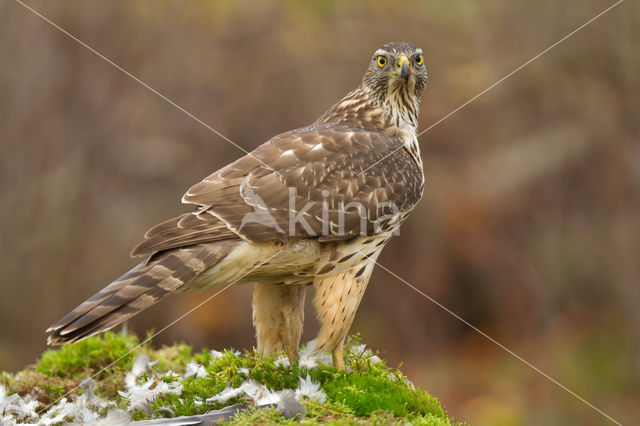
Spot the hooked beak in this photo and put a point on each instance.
(405, 70)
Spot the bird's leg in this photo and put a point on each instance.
(336, 302)
(338, 358)
(278, 316)
(292, 319)
(291, 347)
(265, 301)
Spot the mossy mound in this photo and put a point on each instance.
(179, 382)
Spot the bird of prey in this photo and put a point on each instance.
(311, 206)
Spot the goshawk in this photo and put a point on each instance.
(311, 206)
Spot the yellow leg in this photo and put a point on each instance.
(292, 353)
(338, 359)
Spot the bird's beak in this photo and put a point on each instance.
(405, 70)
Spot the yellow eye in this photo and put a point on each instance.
(382, 61)
(419, 60)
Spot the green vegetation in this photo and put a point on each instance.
(369, 393)
(90, 354)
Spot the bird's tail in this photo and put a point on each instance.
(141, 287)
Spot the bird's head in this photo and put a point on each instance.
(396, 71)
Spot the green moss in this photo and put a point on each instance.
(263, 416)
(370, 393)
(94, 353)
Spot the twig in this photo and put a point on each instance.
(330, 411)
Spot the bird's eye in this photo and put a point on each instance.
(419, 60)
(382, 61)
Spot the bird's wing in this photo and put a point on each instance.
(184, 230)
(310, 181)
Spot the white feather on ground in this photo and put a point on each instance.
(141, 391)
(195, 370)
(310, 389)
(15, 408)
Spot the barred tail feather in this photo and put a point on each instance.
(138, 289)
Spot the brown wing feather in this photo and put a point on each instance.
(313, 162)
(184, 230)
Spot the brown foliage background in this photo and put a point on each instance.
(529, 227)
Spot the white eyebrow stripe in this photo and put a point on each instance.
(384, 52)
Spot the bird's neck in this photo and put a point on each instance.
(394, 113)
(363, 108)
(400, 106)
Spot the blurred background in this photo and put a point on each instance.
(530, 223)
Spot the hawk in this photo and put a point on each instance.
(311, 206)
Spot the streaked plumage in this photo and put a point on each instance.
(362, 150)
